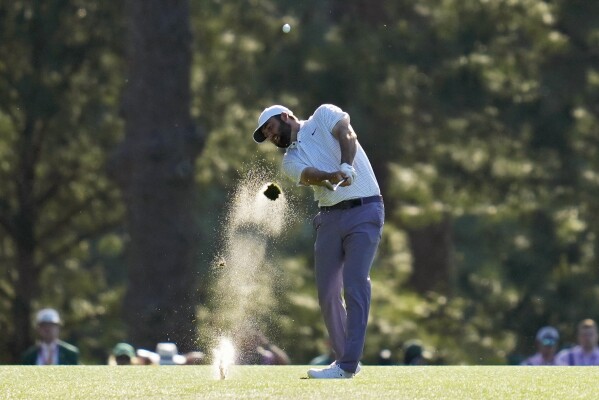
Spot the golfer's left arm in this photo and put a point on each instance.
(343, 132)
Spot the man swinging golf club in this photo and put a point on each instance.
(322, 152)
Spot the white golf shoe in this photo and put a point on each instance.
(334, 371)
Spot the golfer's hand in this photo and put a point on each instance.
(335, 180)
(349, 173)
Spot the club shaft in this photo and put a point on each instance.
(339, 183)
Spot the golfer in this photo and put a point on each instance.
(323, 152)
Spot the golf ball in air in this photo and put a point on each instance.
(286, 28)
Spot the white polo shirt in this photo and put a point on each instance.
(317, 147)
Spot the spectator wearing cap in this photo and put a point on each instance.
(586, 352)
(122, 354)
(547, 339)
(169, 354)
(325, 358)
(415, 354)
(49, 350)
(255, 349)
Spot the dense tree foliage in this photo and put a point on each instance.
(59, 92)
(480, 119)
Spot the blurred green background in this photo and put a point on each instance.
(120, 120)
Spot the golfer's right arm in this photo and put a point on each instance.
(315, 177)
(307, 175)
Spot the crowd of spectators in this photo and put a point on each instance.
(49, 349)
(584, 353)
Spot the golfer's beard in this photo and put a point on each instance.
(284, 136)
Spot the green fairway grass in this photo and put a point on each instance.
(264, 382)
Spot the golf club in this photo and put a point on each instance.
(338, 184)
(334, 187)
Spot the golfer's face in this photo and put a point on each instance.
(277, 132)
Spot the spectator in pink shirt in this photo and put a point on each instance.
(547, 339)
(586, 352)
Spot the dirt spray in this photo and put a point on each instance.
(255, 219)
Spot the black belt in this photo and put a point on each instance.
(351, 203)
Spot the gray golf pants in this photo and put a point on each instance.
(346, 243)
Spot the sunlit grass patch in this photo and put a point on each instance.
(265, 382)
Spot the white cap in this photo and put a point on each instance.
(265, 116)
(548, 335)
(169, 355)
(48, 316)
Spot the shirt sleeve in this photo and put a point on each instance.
(292, 168)
(330, 114)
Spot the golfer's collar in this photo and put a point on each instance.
(293, 144)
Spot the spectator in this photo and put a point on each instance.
(122, 354)
(195, 358)
(325, 358)
(414, 353)
(255, 348)
(147, 357)
(586, 352)
(546, 340)
(49, 350)
(169, 354)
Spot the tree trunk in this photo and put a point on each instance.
(155, 169)
(431, 254)
(26, 288)
(26, 284)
